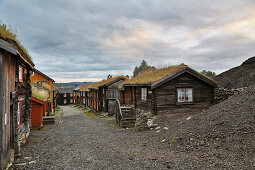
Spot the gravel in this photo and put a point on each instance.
(222, 137)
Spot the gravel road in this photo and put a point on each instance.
(81, 142)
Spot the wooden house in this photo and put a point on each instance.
(76, 95)
(65, 95)
(171, 89)
(47, 83)
(15, 103)
(85, 95)
(104, 91)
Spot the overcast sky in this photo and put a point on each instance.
(84, 40)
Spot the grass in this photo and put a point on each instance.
(44, 85)
(8, 33)
(92, 114)
(96, 85)
(40, 94)
(153, 75)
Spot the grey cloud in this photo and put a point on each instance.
(82, 39)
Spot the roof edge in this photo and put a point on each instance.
(181, 71)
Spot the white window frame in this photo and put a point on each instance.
(144, 94)
(71, 100)
(65, 101)
(185, 95)
(64, 94)
(71, 94)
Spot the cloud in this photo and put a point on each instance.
(83, 40)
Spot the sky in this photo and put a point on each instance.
(85, 40)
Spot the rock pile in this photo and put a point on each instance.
(144, 120)
(240, 76)
(221, 94)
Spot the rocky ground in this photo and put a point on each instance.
(222, 137)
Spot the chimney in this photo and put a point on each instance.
(39, 85)
(109, 76)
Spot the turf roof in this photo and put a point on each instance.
(154, 75)
(8, 34)
(96, 85)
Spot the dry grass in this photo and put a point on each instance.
(153, 75)
(96, 85)
(44, 85)
(40, 94)
(8, 33)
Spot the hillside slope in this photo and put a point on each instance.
(221, 137)
(241, 76)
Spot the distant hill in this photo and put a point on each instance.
(74, 84)
(237, 77)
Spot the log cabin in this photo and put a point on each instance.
(103, 93)
(85, 95)
(65, 95)
(76, 95)
(16, 68)
(171, 89)
(47, 83)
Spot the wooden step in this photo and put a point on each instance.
(48, 120)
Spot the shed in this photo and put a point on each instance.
(37, 113)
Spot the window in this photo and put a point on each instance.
(71, 94)
(185, 95)
(65, 101)
(64, 94)
(71, 100)
(144, 94)
(20, 74)
(83, 101)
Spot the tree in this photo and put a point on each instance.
(209, 73)
(143, 67)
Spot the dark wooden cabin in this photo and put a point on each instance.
(76, 96)
(172, 89)
(65, 95)
(103, 93)
(15, 102)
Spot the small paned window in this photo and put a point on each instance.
(64, 94)
(20, 74)
(71, 94)
(185, 95)
(143, 94)
(71, 100)
(65, 101)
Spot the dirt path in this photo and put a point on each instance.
(81, 142)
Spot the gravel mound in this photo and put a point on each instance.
(222, 136)
(237, 77)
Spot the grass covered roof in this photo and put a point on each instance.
(8, 34)
(105, 82)
(154, 75)
(40, 94)
(96, 85)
